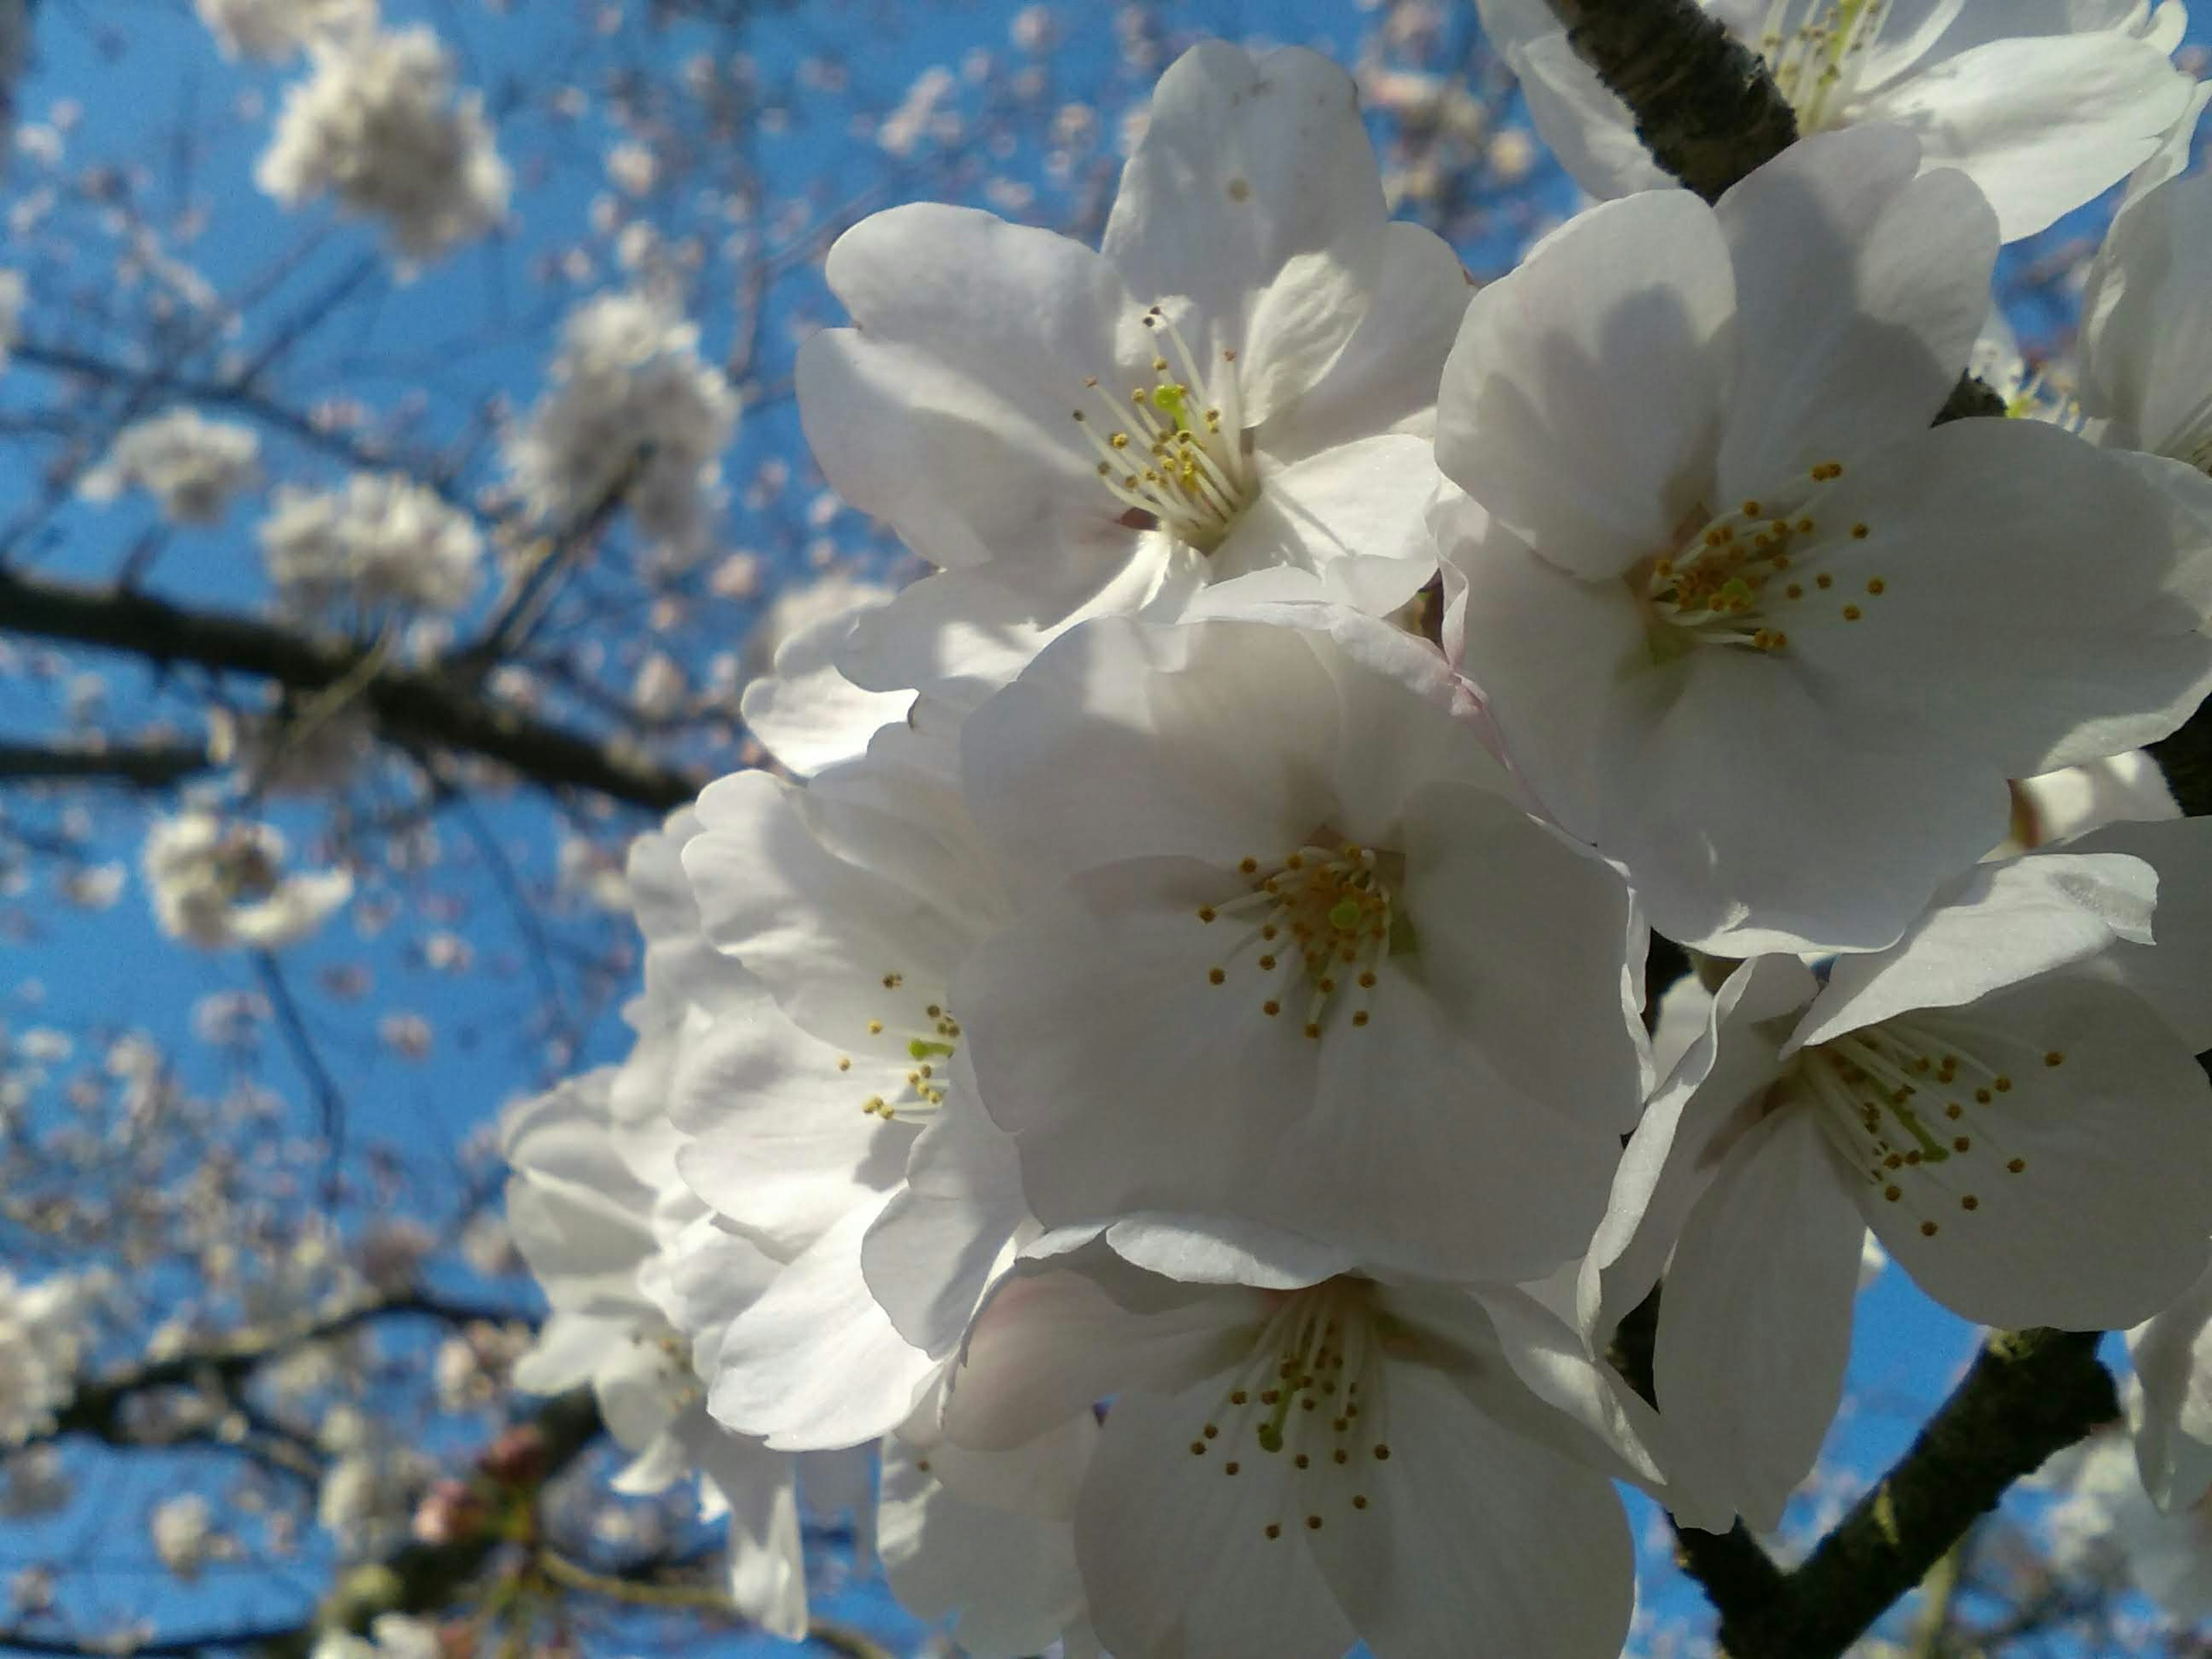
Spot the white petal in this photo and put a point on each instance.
(1581, 403)
(1996, 925)
(1590, 129)
(2174, 973)
(1860, 290)
(2043, 125)
(2147, 320)
(930, 1253)
(1051, 1344)
(806, 713)
(1007, 1581)
(766, 1566)
(1387, 379)
(778, 1141)
(2172, 1359)
(2105, 1222)
(1756, 1323)
(949, 410)
(1174, 1553)
(1471, 1529)
(815, 1363)
(1992, 629)
(1542, 942)
(1355, 514)
(1702, 1107)
(1254, 194)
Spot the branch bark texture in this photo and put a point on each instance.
(440, 708)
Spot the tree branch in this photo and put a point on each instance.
(140, 766)
(2029, 1394)
(420, 702)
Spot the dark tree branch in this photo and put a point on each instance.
(1705, 107)
(424, 704)
(2028, 1395)
(140, 766)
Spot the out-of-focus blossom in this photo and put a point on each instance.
(11, 312)
(382, 542)
(274, 30)
(216, 885)
(45, 1334)
(378, 125)
(633, 413)
(193, 467)
(184, 1533)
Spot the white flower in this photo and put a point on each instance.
(381, 542)
(1285, 1473)
(1746, 624)
(2008, 1097)
(274, 30)
(2068, 804)
(2042, 104)
(839, 1123)
(184, 1533)
(1236, 391)
(378, 125)
(368, 1492)
(593, 1233)
(192, 467)
(1305, 961)
(216, 885)
(46, 1336)
(633, 413)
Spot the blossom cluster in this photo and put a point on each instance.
(1164, 1076)
(383, 543)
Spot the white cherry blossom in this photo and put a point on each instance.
(1230, 400)
(2008, 1097)
(1746, 624)
(1288, 1473)
(216, 883)
(1308, 963)
(378, 124)
(193, 467)
(274, 30)
(2043, 104)
(632, 412)
(2104, 1518)
(381, 542)
(47, 1332)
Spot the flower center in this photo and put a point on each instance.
(1818, 59)
(1299, 1397)
(919, 1034)
(1165, 453)
(1735, 577)
(1919, 1111)
(245, 870)
(1323, 920)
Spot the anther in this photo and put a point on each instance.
(1216, 975)
(1928, 1230)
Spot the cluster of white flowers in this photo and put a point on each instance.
(378, 124)
(391, 1636)
(633, 413)
(218, 884)
(1172, 1076)
(382, 543)
(193, 467)
(47, 1332)
(274, 30)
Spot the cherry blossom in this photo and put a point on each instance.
(193, 467)
(382, 542)
(1291, 1472)
(1309, 961)
(2008, 1097)
(1744, 621)
(378, 124)
(216, 883)
(1230, 400)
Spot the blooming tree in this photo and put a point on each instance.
(1127, 829)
